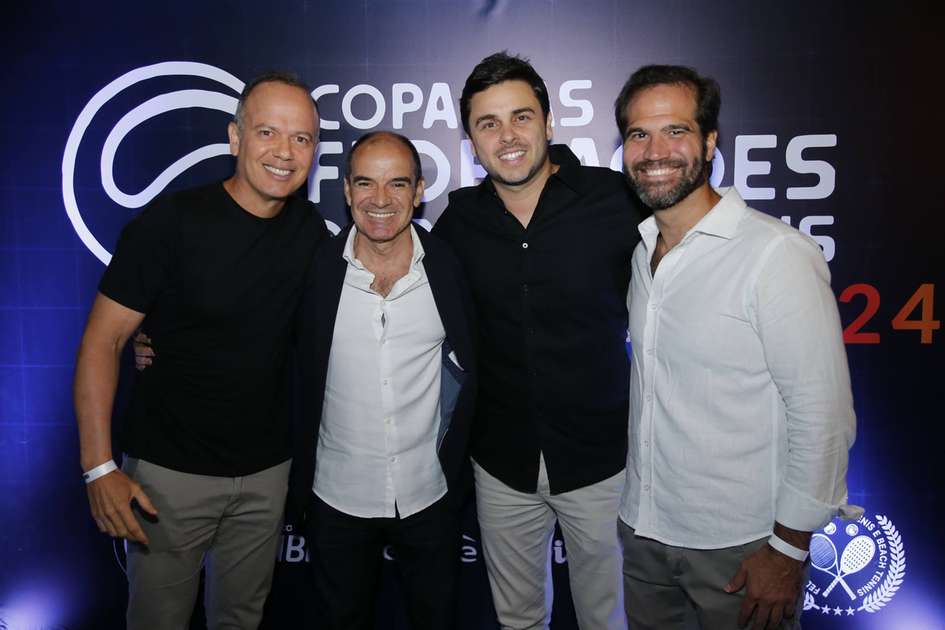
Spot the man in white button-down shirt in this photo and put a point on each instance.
(387, 387)
(741, 413)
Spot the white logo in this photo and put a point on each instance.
(180, 99)
(857, 567)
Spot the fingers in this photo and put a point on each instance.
(131, 526)
(738, 581)
(110, 501)
(143, 351)
(143, 501)
(744, 614)
(762, 613)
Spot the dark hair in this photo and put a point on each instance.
(498, 68)
(368, 137)
(708, 95)
(286, 78)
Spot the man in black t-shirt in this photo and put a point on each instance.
(213, 275)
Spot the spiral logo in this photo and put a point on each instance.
(160, 104)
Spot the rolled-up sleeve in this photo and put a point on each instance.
(802, 339)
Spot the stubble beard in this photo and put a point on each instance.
(694, 175)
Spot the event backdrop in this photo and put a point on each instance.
(829, 121)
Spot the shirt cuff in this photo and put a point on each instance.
(802, 512)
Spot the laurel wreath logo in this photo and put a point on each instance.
(884, 592)
(897, 568)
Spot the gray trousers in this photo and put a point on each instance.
(674, 588)
(228, 525)
(516, 532)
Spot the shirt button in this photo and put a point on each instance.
(649, 352)
(649, 398)
(654, 306)
(524, 288)
(646, 442)
(393, 459)
(386, 381)
(646, 488)
(387, 420)
(524, 245)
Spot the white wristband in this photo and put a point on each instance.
(99, 471)
(787, 548)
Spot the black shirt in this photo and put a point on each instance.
(220, 287)
(551, 306)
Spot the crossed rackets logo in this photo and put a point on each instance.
(856, 556)
(866, 559)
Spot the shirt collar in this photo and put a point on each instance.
(722, 220)
(348, 253)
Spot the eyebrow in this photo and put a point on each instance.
(486, 117)
(520, 110)
(364, 178)
(300, 132)
(670, 126)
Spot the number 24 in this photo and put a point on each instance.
(923, 296)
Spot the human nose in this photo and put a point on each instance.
(283, 148)
(507, 134)
(381, 197)
(656, 148)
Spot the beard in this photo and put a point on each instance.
(657, 196)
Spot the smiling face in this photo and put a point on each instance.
(664, 152)
(509, 133)
(274, 146)
(382, 189)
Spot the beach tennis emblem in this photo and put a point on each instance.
(855, 567)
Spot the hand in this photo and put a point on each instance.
(110, 500)
(773, 583)
(144, 352)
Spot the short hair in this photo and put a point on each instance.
(286, 78)
(706, 90)
(373, 135)
(498, 68)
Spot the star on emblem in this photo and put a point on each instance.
(836, 611)
(850, 612)
(825, 610)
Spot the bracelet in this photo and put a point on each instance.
(99, 471)
(787, 548)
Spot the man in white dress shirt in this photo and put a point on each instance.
(387, 337)
(741, 413)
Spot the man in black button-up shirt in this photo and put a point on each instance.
(546, 244)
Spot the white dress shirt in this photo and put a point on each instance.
(377, 439)
(741, 412)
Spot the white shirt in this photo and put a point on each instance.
(741, 412)
(377, 439)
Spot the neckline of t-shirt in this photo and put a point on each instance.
(236, 207)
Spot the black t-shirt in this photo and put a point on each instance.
(551, 307)
(219, 286)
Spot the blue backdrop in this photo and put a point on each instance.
(829, 121)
